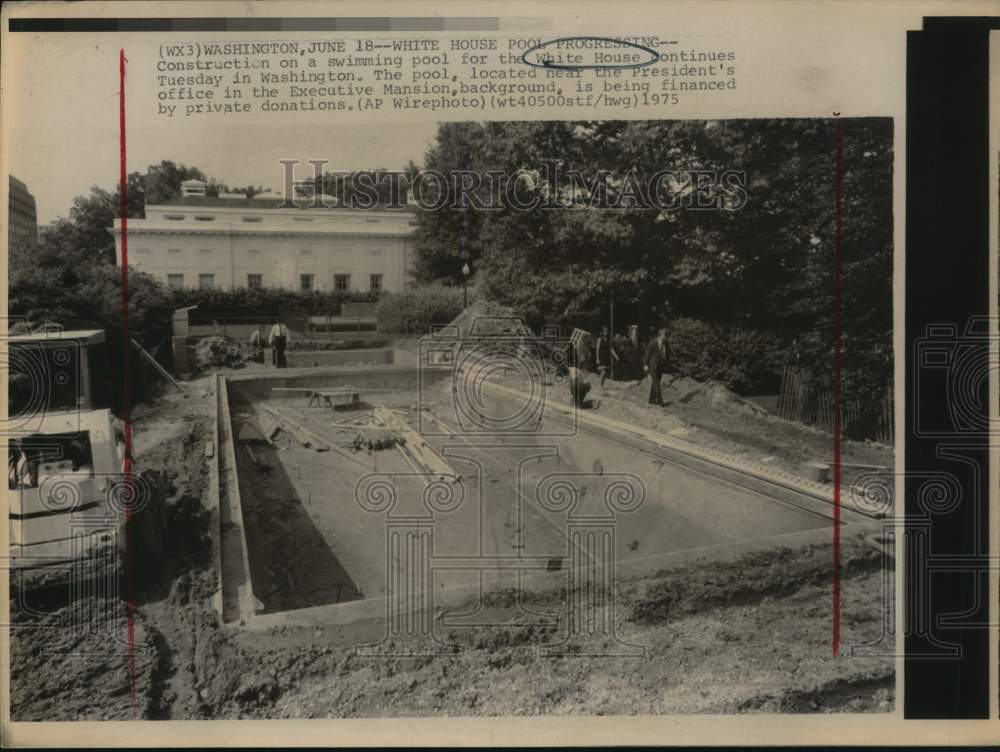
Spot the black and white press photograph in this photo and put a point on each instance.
(453, 418)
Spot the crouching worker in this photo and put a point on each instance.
(255, 351)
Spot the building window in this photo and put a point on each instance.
(305, 252)
(255, 281)
(142, 251)
(206, 281)
(254, 252)
(303, 219)
(174, 217)
(252, 219)
(306, 282)
(205, 251)
(205, 217)
(175, 281)
(342, 282)
(173, 251)
(375, 283)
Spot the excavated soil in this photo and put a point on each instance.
(712, 416)
(750, 635)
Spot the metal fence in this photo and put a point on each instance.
(809, 401)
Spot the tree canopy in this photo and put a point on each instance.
(767, 264)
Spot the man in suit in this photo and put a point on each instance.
(655, 361)
(603, 353)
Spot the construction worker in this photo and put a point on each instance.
(256, 350)
(577, 387)
(603, 353)
(655, 364)
(278, 341)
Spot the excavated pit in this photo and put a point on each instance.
(543, 491)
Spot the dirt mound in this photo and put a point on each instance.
(199, 669)
(774, 574)
(710, 395)
(724, 637)
(74, 663)
(485, 319)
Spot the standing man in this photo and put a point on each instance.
(578, 388)
(655, 365)
(279, 341)
(604, 352)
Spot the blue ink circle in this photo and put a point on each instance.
(571, 66)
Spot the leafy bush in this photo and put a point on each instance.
(314, 302)
(415, 312)
(745, 360)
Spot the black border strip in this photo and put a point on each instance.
(947, 284)
(373, 23)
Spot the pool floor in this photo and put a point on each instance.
(317, 535)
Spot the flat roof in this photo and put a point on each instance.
(302, 203)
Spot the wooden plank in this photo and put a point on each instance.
(290, 426)
(269, 427)
(157, 366)
(419, 450)
(332, 445)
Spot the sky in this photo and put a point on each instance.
(63, 132)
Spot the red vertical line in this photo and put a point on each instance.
(126, 396)
(838, 332)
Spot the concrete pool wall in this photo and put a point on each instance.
(698, 503)
(326, 358)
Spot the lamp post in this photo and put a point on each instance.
(465, 280)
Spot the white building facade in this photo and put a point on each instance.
(231, 241)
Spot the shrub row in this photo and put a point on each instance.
(747, 361)
(314, 302)
(415, 312)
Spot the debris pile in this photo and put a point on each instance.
(371, 444)
(218, 351)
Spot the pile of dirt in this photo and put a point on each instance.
(200, 670)
(74, 662)
(683, 390)
(712, 416)
(486, 319)
(750, 635)
(777, 573)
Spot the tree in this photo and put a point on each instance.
(163, 181)
(765, 263)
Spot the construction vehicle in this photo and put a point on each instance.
(74, 512)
